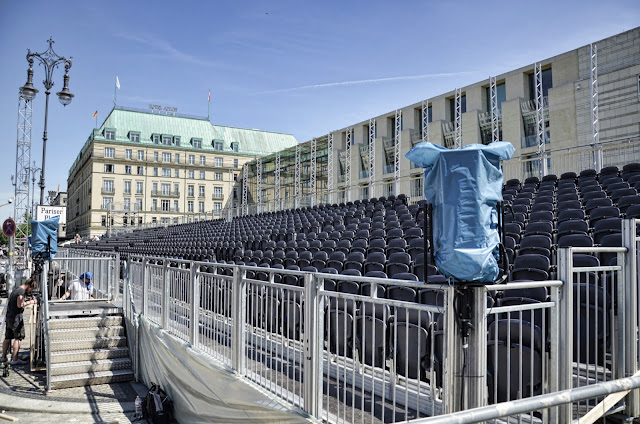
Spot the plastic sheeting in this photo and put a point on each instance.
(40, 233)
(464, 187)
(201, 389)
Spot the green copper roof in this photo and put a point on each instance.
(127, 120)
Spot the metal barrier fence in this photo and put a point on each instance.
(71, 263)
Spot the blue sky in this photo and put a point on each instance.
(297, 67)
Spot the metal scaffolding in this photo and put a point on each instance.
(495, 130)
(396, 153)
(22, 205)
(347, 165)
(595, 123)
(372, 157)
(330, 167)
(425, 120)
(245, 183)
(540, 119)
(230, 204)
(259, 183)
(296, 188)
(458, 118)
(313, 173)
(277, 182)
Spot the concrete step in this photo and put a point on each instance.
(75, 323)
(88, 343)
(88, 354)
(85, 333)
(91, 378)
(85, 367)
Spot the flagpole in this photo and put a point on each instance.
(96, 121)
(115, 93)
(209, 106)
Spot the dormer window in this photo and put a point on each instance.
(110, 134)
(196, 143)
(217, 145)
(134, 137)
(155, 138)
(166, 140)
(235, 146)
(176, 140)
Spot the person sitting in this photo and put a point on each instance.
(81, 288)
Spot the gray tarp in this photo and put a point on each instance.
(201, 389)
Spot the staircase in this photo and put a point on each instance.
(88, 350)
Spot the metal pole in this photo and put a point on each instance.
(313, 347)
(44, 147)
(239, 313)
(477, 351)
(565, 348)
(631, 307)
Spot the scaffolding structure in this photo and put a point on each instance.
(22, 203)
(396, 152)
(313, 170)
(330, 186)
(458, 119)
(277, 181)
(372, 157)
(245, 183)
(296, 187)
(347, 165)
(495, 129)
(259, 181)
(425, 120)
(540, 119)
(595, 123)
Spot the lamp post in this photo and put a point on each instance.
(50, 60)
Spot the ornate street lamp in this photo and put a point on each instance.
(50, 60)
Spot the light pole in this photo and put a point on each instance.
(50, 60)
(32, 171)
(10, 201)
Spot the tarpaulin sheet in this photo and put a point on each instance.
(40, 233)
(202, 390)
(464, 187)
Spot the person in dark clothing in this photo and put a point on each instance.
(14, 321)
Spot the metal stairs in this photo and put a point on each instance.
(88, 350)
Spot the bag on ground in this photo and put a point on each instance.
(157, 408)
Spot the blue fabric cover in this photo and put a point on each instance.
(464, 187)
(40, 232)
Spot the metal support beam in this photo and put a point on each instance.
(396, 155)
(540, 119)
(495, 133)
(347, 167)
(313, 171)
(425, 120)
(276, 195)
(22, 205)
(458, 120)
(330, 163)
(595, 123)
(259, 198)
(372, 157)
(245, 183)
(296, 189)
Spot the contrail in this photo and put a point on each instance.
(367, 81)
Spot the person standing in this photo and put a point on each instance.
(14, 321)
(80, 289)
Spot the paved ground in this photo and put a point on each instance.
(23, 395)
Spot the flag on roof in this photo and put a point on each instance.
(95, 114)
(209, 95)
(117, 82)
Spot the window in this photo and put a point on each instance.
(177, 173)
(501, 96)
(235, 177)
(154, 205)
(155, 172)
(166, 157)
(190, 190)
(127, 169)
(107, 186)
(217, 145)
(217, 192)
(175, 206)
(191, 174)
(166, 172)
(203, 160)
(135, 137)
(200, 191)
(177, 156)
(166, 189)
(197, 143)
(217, 176)
(202, 175)
(201, 207)
(547, 83)
(192, 159)
(108, 168)
(166, 140)
(217, 206)
(138, 205)
(127, 204)
(127, 187)
(190, 206)
(452, 106)
(128, 153)
(154, 189)
(140, 170)
(165, 205)
(235, 193)
(139, 187)
(639, 88)
(176, 140)
(156, 139)
(104, 220)
(234, 146)
(218, 162)
(176, 189)
(155, 156)
(109, 152)
(106, 201)
(235, 163)
(110, 134)
(140, 154)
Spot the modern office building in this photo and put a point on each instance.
(141, 167)
(579, 109)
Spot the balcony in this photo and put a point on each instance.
(217, 196)
(107, 191)
(159, 193)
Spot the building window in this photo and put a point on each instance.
(107, 186)
(191, 174)
(155, 156)
(127, 169)
(217, 176)
(155, 172)
(154, 188)
(177, 156)
(166, 189)
(192, 159)
(235, 177)
(190, 191)
(154, 205)
(235, 193)
(175, 206)
(639, 88)
(203, 160)
(156, 139)
(166, 172)
(104, 220)
(166, 140)
(109, 152)
(235, 146)
(547, 83)
(135, 137)
(166, 205)
(128, 154)
(201, 207)
(202, 175)
(452, 106)
(138, 205)
(106, 201)
(197, 143)
(108, 168)
(127, 204)
(190, 206)
(200, 191)
(501, 95)
(177, 173)
(140, 170)
(176, 140)
(235, 163)
(217, 192)
(140, 154)
(217, 206)
(110, 135)
(127, 187)
(176, 189)
(217, 145)
(218, 162)
(139, 187)
(166, 157)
